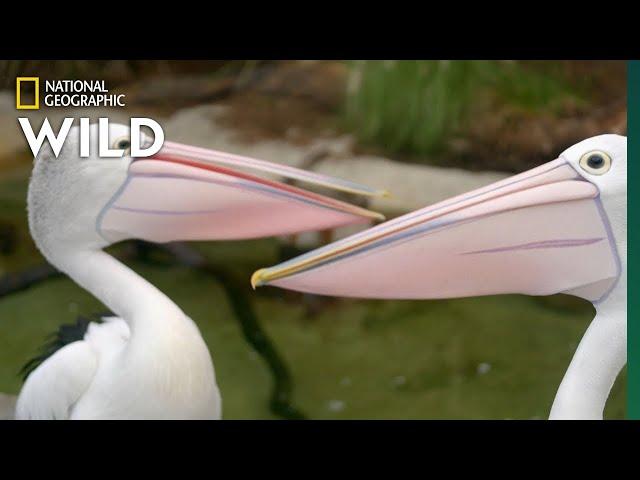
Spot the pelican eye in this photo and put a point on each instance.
(122, 144)
(595, 162)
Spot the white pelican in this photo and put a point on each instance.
(150, 362)
(561, 227)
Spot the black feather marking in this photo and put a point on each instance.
(65, 335)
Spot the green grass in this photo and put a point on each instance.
(535, 90)
(416, 106)
(355, 359)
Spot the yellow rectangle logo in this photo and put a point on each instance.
(36, 104)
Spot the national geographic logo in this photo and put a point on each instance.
(27, 87)
(65, 93)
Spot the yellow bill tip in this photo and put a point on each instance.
(383, 193)
(363, 212)
(257, 279)
(379, 216)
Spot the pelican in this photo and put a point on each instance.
(149, 361)
(558, 228)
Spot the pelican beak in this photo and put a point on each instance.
(190, 193)
(541, 232)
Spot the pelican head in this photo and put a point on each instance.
(180, 193)
(602, 161)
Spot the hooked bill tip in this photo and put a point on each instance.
(256, 278)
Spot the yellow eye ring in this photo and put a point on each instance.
(595, 162)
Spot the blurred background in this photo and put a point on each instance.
(425, 130)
